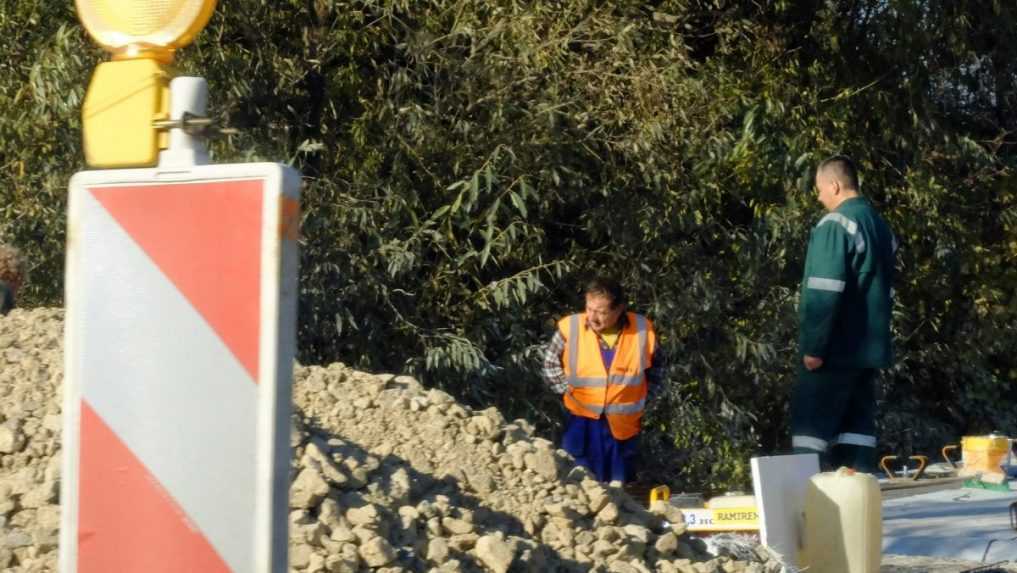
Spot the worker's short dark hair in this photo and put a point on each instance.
(841, 168)
(608, 287)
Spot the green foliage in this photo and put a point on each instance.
(468, 163)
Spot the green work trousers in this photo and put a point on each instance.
(833, 414)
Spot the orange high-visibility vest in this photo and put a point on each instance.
(618, 394)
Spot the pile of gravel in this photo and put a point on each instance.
(386, 476)
(31, 372)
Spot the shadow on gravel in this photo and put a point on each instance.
(411, 544)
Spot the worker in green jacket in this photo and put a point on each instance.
(844, 323)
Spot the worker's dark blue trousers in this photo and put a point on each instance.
(590, 442)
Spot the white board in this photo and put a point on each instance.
(180, 335)
(780, 483)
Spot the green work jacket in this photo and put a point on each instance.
(845, 307)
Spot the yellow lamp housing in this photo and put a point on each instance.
(144, 28)
(123, 100)
(126, 96)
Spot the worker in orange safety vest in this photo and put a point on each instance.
(604, 362)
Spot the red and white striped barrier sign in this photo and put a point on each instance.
(180, 335)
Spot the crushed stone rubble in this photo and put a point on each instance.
(386, 476)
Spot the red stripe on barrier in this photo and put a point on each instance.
(127, 521)
(206, 238)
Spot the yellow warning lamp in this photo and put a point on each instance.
(130, 93)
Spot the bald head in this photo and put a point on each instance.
(841, 169)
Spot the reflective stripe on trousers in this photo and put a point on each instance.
(809, 443)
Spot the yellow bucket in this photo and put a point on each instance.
(984, 453)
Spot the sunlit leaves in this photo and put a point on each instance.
(468, 164)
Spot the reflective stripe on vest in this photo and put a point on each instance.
(632, 408)
(574, 359)
(618, 408)
(600, 382)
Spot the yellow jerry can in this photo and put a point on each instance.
(843, 530)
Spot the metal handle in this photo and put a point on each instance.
(888, 471)
(946, 455)
(922, 462)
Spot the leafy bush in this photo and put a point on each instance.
(468, 163)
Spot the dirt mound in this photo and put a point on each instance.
(386, 476)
